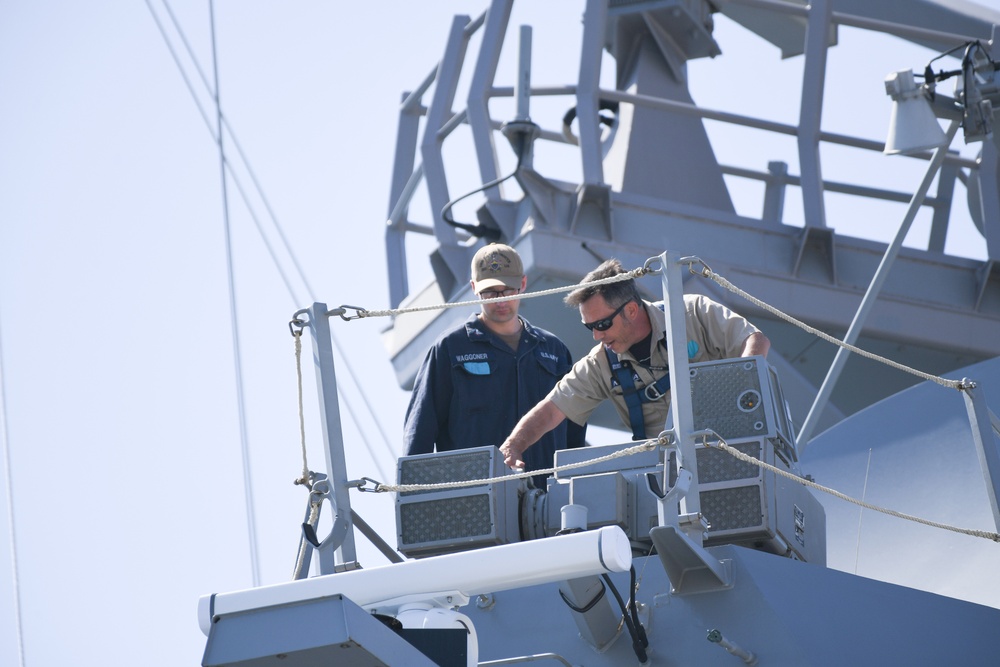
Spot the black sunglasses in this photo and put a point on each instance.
(605, 324)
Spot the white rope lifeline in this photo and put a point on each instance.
(404, 488)
(709, 273)
(306, 475)
(721, 444)
(634, 273)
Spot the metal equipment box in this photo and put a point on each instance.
(630, 506)
(744, 504)
(741, 398)
(446, 520)
(752, 506)
(736, 496)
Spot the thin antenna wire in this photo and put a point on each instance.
(864, 492)
(250, 172)
(234, 321)
(9, 479)
(232, 136)
(295, 263)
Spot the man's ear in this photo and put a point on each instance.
(524, 282)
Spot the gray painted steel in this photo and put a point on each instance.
(892, 591)
(637, 197)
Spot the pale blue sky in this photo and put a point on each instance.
(117, 355)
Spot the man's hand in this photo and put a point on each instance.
(511, 454)
(539, 420)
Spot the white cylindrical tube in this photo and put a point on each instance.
(468, 574)
(522, 88)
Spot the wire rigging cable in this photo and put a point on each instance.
(245, 162)
(234, 322)
(9, 480)
(271, 214)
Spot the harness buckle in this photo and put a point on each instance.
(652, 393)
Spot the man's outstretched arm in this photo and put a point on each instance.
(538, 421)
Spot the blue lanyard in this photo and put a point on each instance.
(622, 372)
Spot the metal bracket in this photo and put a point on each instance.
(690, 568)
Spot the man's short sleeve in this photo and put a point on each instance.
(581, 390)
(719, 331)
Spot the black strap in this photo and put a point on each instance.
(622, 372)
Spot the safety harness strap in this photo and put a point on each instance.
(622, 372)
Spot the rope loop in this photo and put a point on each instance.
(307, 476)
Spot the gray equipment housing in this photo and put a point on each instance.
(435, 522)
(744, 504)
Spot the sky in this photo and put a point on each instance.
(125, 411)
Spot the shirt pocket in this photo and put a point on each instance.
(475, 385)
(549, 369)
(477, 367)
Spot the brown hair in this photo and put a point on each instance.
(615, 294)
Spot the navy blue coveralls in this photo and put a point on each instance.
(472, 389)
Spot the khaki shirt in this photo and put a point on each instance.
(713, 332)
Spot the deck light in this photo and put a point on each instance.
(912, 126)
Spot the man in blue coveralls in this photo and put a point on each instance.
(479, 379)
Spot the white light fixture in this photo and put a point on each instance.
(912, 126)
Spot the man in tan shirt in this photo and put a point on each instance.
(630, 358)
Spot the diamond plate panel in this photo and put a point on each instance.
(454, 467)
(728, 399)
(732, 509)
(715, 465)
(446, 519)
